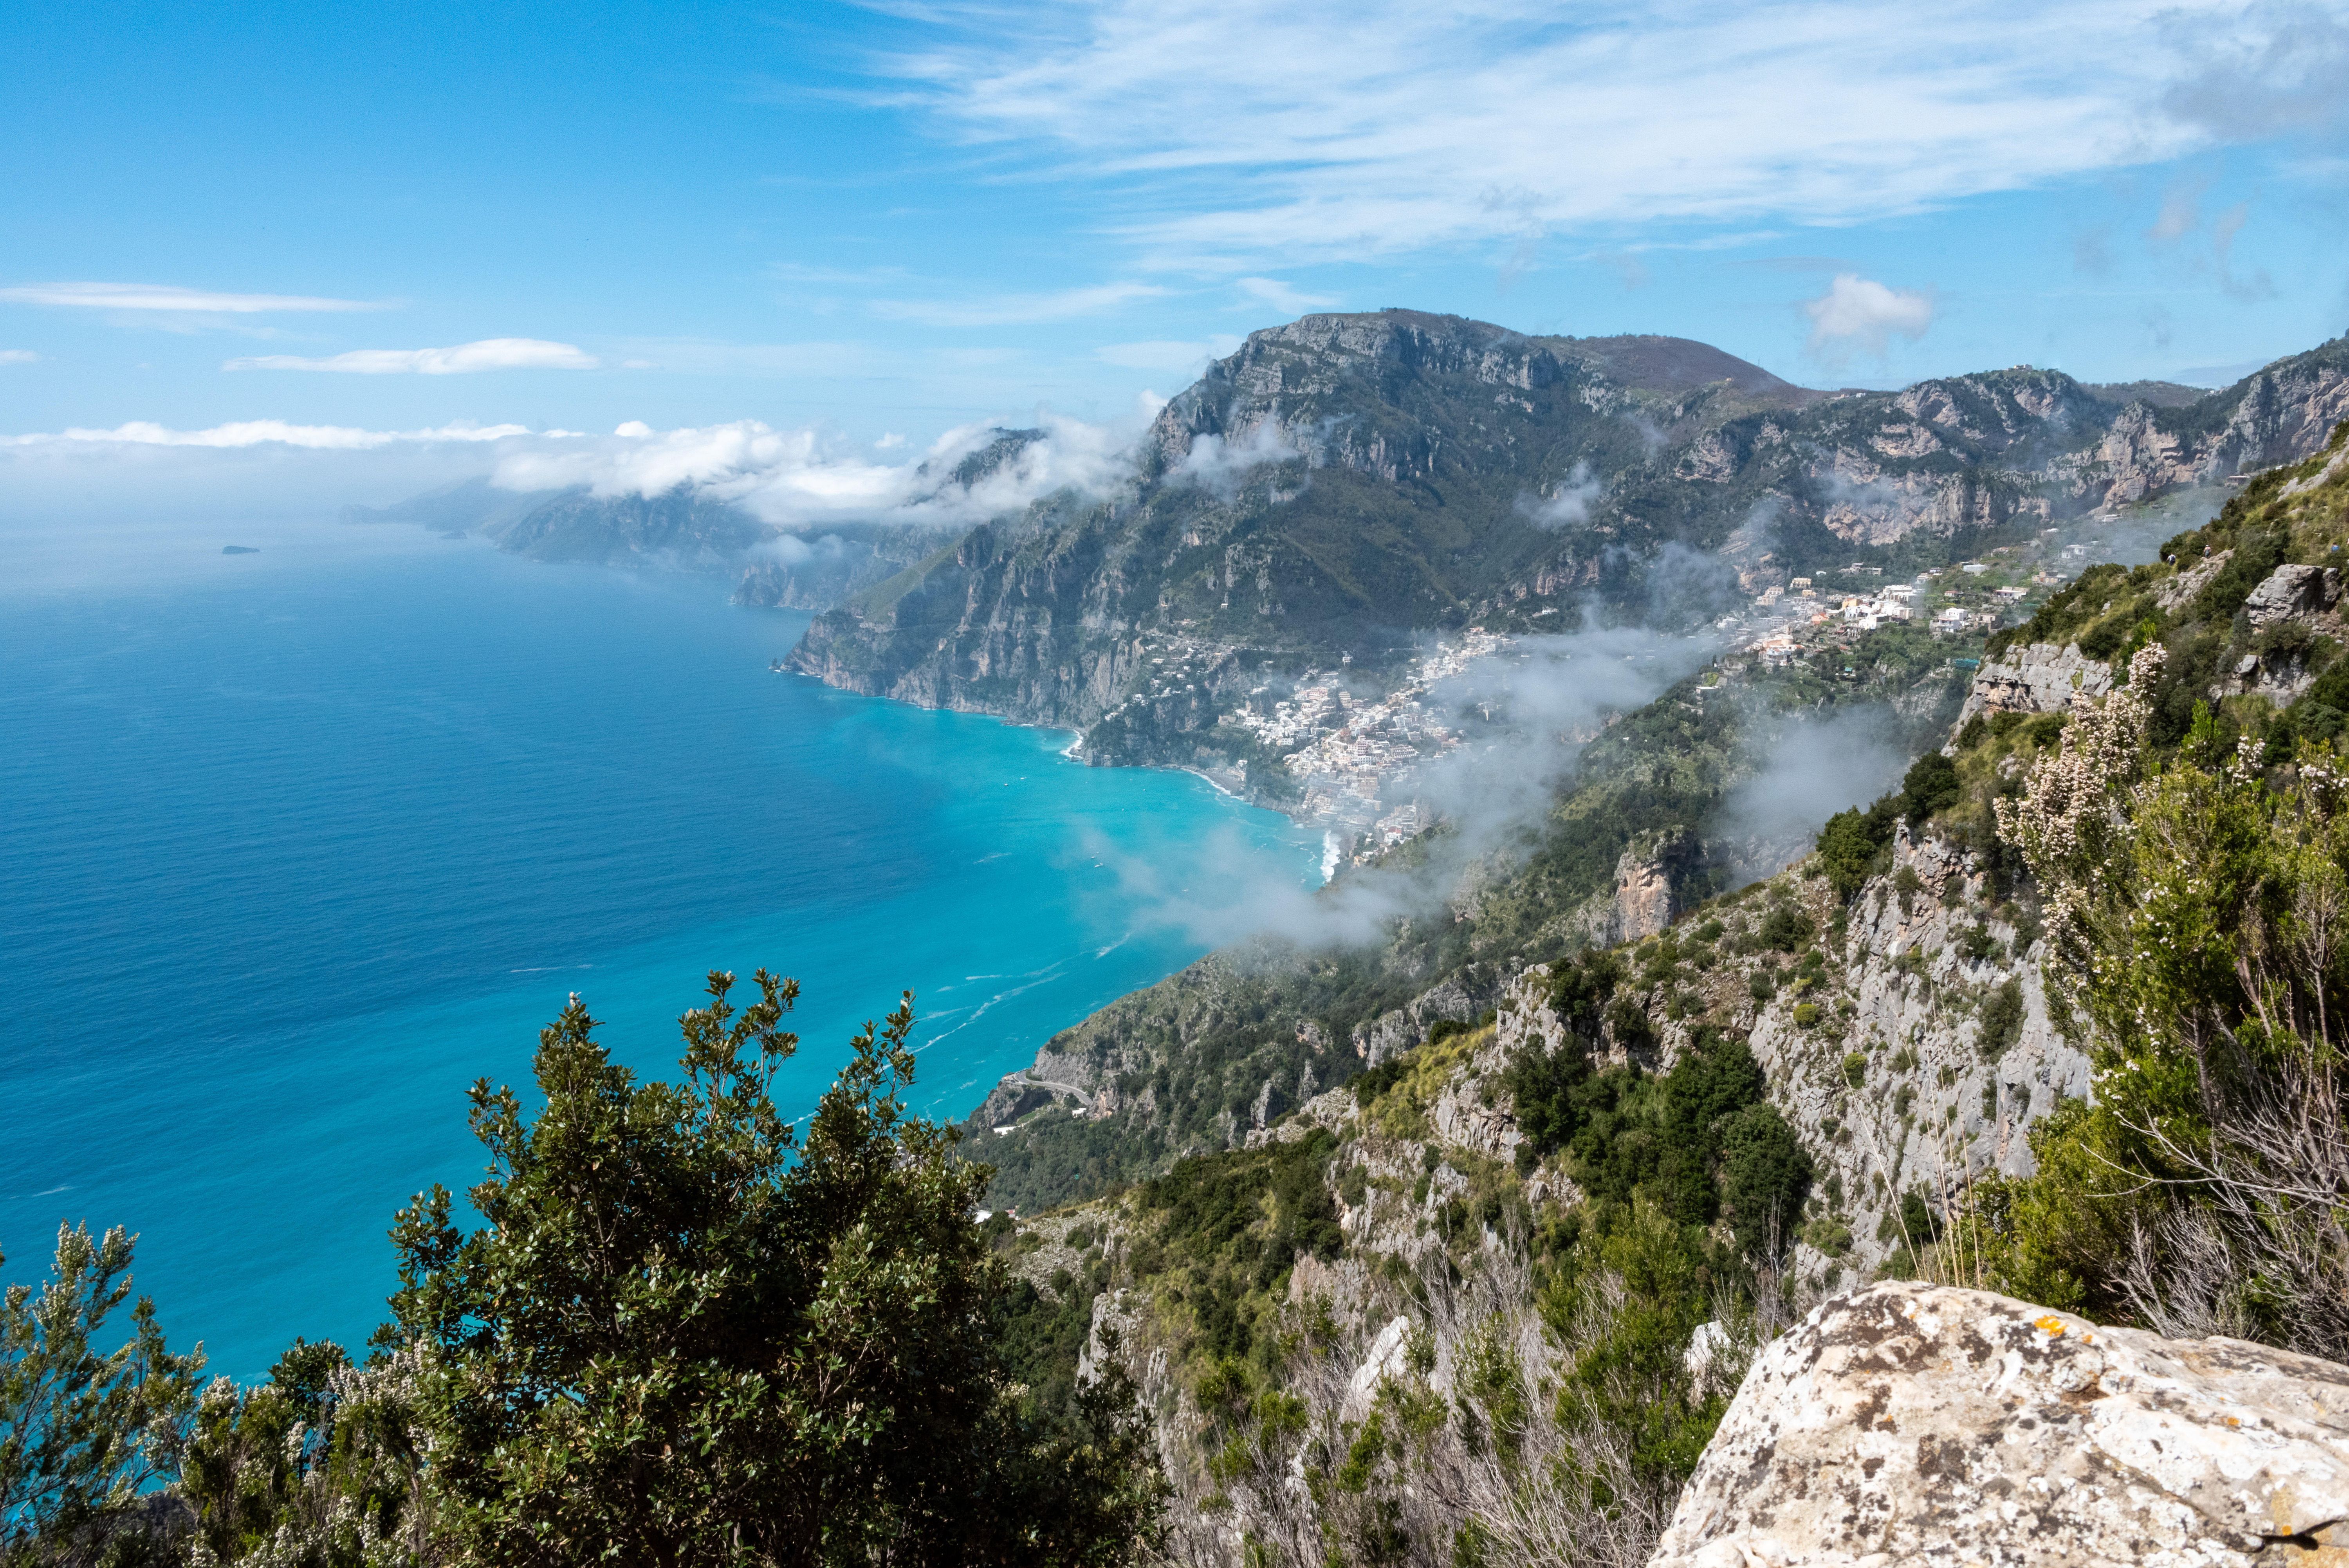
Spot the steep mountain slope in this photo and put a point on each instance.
(1341, 487)
(1486, 1303)
(799, 571)
(1648, 826)
(1506, 1280)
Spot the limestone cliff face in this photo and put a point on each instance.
(1930, 1061)
(1914, 1423)
(1916, 1056)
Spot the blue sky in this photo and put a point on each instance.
(877, 221)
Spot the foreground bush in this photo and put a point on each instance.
(2196, 909)
(684, 1335)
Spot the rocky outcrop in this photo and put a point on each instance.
(2282, 667)
(1915, 1423)
(2040, 677)
(1646, 897)
(1391, 1033)
(2292, 593)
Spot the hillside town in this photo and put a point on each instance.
(1807, 615)
(1356, 759)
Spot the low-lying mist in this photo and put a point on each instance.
(85, 505)
(1525, 716)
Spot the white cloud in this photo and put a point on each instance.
(1216, 464)
(17, 355)
(170, 297)
(1570, 504)
(1182, 355)
(806, 475)
(1281, 297)
(2260, 70)
(1350, 128)
(1859, 312)
(260, 432)
(1018, 309)
(489, 354)
(781, 475)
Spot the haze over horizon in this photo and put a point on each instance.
(835, 235)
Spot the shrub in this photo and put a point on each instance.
(1855, 1069)
(1848, 847)
(2002, 1020)
(1806, 1014)
(83, 1431)
(1930, 785)
(1975, 943)
(1765, 1179)
(1370, 1085)
(1786, 928)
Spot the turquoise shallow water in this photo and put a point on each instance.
(300, 844)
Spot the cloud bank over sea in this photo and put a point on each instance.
(788, 477)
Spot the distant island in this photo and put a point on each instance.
(240, 549)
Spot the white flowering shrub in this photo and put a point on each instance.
(2198, 907)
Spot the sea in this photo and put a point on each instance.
(300, 843)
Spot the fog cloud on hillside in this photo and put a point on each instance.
(1525, 715)
(1815, 767)
(1569, 504)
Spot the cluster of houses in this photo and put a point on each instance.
(1350, 755)
(1788, 611)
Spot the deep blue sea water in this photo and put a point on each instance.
(299, 844)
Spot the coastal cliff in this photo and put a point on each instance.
(1342, 487)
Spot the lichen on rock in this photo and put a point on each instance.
(1919, 1423)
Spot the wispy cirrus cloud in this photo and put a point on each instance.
(1018, 309)
(243, 433)
(1282, 297)
(1176, 356)
(170, 297)
(17, 357)
(464, 359)
(1416, 126)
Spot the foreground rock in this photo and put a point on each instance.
(1912, 1422)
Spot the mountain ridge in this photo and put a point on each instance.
(1340, 488)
